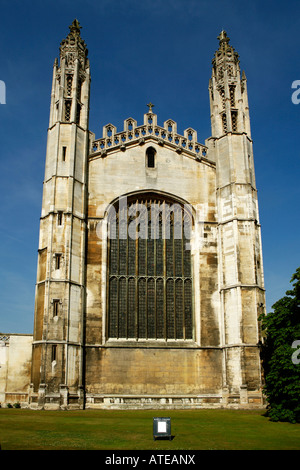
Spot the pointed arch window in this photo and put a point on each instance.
(149, 282)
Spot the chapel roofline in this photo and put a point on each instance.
(132, 134)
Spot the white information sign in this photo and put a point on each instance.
(161, 426)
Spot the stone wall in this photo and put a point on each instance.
(15, 368)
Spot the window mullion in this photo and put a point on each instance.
(182, 272)
(146, 272)
(118, 271)
(174, 272)
(127, 305)
(154, 271)
(163, 233)
(127, 273)
(136, 271)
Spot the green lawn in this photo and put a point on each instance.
(126, 430)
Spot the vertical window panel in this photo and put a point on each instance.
(113, 256)
(178, 257)
(187, 231)
(131, 256)
(131, 332)
(122, 308)
(123, 248)
(160, 315)
(151, 309)
(150, 250)
(188, 311)
(159, 251)
(113, 308)
(169, 248)
(142, 256)
(170, 308)
(179, 300)
(142, 308)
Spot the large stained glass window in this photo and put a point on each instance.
(149, 294)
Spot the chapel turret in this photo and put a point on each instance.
(239, 250)
(228, 91)
(71, 81)
(60, 288)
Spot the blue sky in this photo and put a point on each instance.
(141, 51)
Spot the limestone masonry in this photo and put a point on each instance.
(150, 274)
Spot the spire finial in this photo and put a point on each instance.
(73, 46)
(150, 106)
(223, 37)
(75, 27)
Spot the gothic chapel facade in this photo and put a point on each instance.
(150, 277)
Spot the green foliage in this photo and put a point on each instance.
(282, 370)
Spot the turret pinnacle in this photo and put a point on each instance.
(74, 46)
(71, 80)
(228, 94)
(225, 51)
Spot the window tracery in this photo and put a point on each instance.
(149, 276)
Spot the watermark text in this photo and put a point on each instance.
(295, 358)
(2, 92)
(296, 93)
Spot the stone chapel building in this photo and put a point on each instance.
(150, 274)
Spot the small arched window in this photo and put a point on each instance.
(150, 157)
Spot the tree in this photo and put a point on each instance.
(281, 360)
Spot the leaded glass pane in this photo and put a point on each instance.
(113, 256)
(131, 308)
(142, 308)
(178, 257)
(131, 256)
(170, 308)
(122, 308)
(188, 312)
(149, 277)
(150, 253)
(179, 300)
(160, 316)
(113, 307)
(151, 308)
(169, 257)
(142, 256)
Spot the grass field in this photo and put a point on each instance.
(127, 430)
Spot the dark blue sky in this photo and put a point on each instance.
(141, 51)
